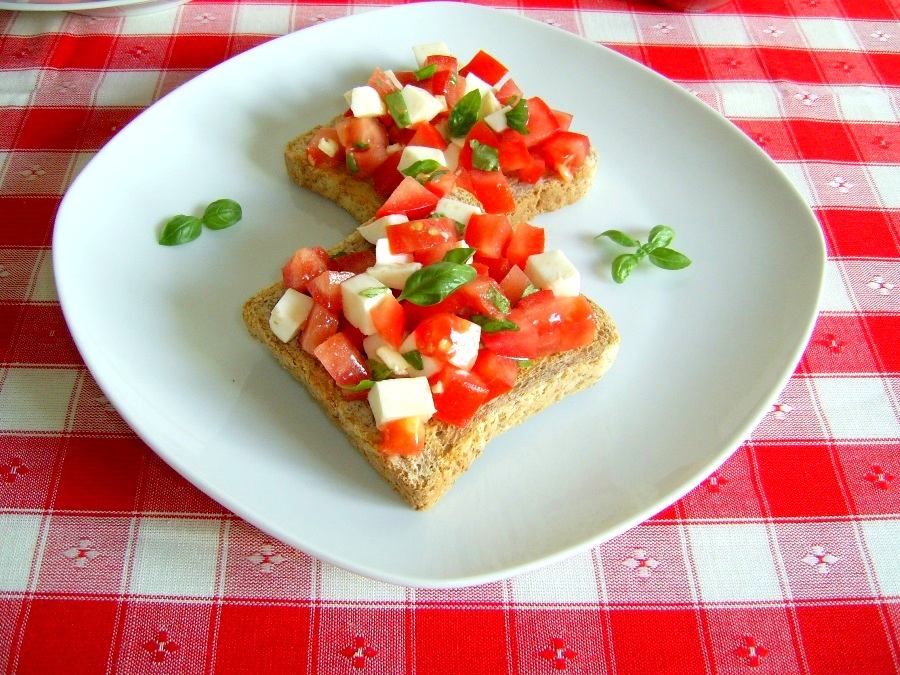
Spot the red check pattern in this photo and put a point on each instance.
(785, 560)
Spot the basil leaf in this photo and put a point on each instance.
(620, 238)
(362, 385)
(460, 228)
(432, 283)
(222, 213)
(396, 106)
(459, 255)
(622, 266)
(489, 325)
(517, 118)
(180, 230)
(525, 363)
(484, 156)
(352, 166)
(668, 259)
(661, 235)
(497, 299)
(361, 145)
(530, 289)
(374, 291)
(426, 72)
(414, 358)
(464, 114)
(379, 370)
(426, 166)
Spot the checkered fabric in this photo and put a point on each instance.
(786, 560)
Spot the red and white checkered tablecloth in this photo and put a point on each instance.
(786, 560)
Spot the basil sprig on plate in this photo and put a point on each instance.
(218, 215)
(656, 250)
(432, 283)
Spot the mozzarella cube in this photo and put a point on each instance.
(423, 51)
(417, 153)
(360, 294)
(395, 399)
(365, 101)
(459, 211)
(372, 343)
(475, 82)
(420, 104)
(497, 119)
(329, 146)
(430, 366)
(394, 275)
(289, 314)
(383, 255)
(551, 269)
(375, 230)
(489, 104)
(393, 360)
(451, 156)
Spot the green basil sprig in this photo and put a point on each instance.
(489, 325)
(656, 250)
(484, 157)
(218, 215)
(414, 358)
(459, 255)
(432, 283)
(426, 72)
(464, 114)
(517, 118)
(498, 300)
(396, 106)
(222, 213)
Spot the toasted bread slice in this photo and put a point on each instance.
(421, 480)
(360, 200)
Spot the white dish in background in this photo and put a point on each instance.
(102, 8)
(704, 350)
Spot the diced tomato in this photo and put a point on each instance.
(364, 163)
(381, 83)
(326, 289)
(542, 123)
(489, 233)
(405, 436)
(516, 344)
(493, 191)
(446, 81)
(564, 119)
(389, 320)
(512, 151)
(319, 158)
(354, 334)
(485, 67)
(508, 90)
(418, 234)
(464, 180)
(481, 133)
(534, 171)
(457, 394)
(441, 185)
(410, 199)
(305, 265)
(433, 254)
(343, 361)
(483, 296)
(541, 312)
(514, 284)
(405, 77)
(526, 240)
(566, 152)
(498, 373)
(320, 325)
(495, 268)
(416, 314)
(386, 177)
(427, 135)
(480, 268)
(579, 325)
(450, 338)
(398, 135)
(361, 132)
(356, 262)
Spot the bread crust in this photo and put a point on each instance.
(421, 480)
(360, 200)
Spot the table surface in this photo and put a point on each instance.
(785, 560)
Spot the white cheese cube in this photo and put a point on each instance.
(451, 156)
(459, 211)
(372, 343)
(551, 269)
(375, 230)
(429, 365)
(395, 399)
(393, 360)
(489, 104)
(392, 76)
(423, 51)
(497, 119)
(329, 146)
(394, 275)
(466, 344)
(420, 104)
(360, 294)
(289, 314)
(383, 255)
(475, 82)
(417, 153)
(365, 101)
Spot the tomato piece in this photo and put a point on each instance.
(495, 268)
(343, 361)
(564, 119)
(446, 81)
(493, 191)
(433, 254)
(464, 180)
(324, 138)
(534, 171)
(526, 240)
(498, 373)
(362, 164)
(417, 314)
(381, 83)
(482, 133)
(356, 262)
(485, 67)
(489, 233)
(428, 136)
(361, 133)
(306, 264)
(386, 177)
(516, 344)
(320, 325)
(326, 289)
(542, 123)
(514, 284)
(512, 151)
(405, 436)
(457, 394)
(441, 185)
(483, 296)
(579, 325)
(566, 152)
(389, 320)
(508, 90)
(414, 235)
(541, 312)
(450, 338)
(405, 77)
(411, 199)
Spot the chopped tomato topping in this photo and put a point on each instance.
(326, 289)
(450, 338)
(526, 240)
(499, 373)
(542, 123)
(420, 234)
(389, 320)
(485, 67)
(342, 360)
(356, 262)
(320, 325)
(566, 152)
(306, 264)
(489, 233)
(457, 395)
(405, 436)
(492, 190)
(325, 139)
(410, 199)
(386, 177)
(428, 136)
